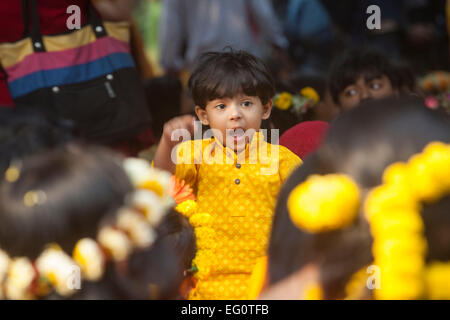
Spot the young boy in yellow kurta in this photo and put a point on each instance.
(236, 175)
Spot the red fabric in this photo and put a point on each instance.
(305, 137)
(5, 97)
(52, 20)
(52, 17)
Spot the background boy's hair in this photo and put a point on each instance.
(361, 144)
(228, 74)
(365, 62)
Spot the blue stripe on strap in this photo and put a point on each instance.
(69, 75)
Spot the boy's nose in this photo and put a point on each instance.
(365, 93)
(235, 112)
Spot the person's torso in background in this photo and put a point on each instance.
(214, 24)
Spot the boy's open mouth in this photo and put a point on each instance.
(237, 134)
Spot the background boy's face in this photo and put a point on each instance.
(230, 118)
(362, 88)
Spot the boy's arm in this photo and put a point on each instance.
(163, 156)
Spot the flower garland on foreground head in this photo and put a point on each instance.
(134, 228)
(313, 204)
(331, 202)
(393, 210)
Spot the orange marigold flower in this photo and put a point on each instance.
(181, 191)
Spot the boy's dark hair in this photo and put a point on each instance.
(356, 62)
(361, 143)
(227, 74)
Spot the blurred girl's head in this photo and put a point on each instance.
(359, 147)
(51, 202)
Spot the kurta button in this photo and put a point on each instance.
(37, 45)
(98, 29)
(237, 181)
(238, 165)
(55, 89)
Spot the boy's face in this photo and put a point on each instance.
(362, 88)
(230, 118)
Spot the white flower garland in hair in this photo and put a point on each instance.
(133, 228)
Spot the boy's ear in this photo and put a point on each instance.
(267, 109)
(202, 116)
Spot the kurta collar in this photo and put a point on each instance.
(250, 152)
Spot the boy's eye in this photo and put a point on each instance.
(221, 106)
(247, 103)
(350, 92)
(375, 85)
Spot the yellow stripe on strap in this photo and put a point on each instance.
(71, 40)
(118, 30)
(12, 53)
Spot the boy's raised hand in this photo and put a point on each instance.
(162, 158)
(182, 122)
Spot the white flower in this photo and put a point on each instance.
(137, 226)
(136, 169)
(89, 256)
(57, 267)
(142, 175)
(152, 206)
(116, 242)
(20, 277)
(4, 267)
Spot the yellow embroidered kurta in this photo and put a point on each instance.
(238, 193)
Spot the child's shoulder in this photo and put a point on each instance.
(194, 143)
(192, 148)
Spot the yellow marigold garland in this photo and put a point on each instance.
(310, 93)
(297, 103)
(437, 279)
(313, 291)
(283, 101)
(357, 284)
(257, 278)
(324, 203)
(187, 208)
(204, 234)
(393, 210)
